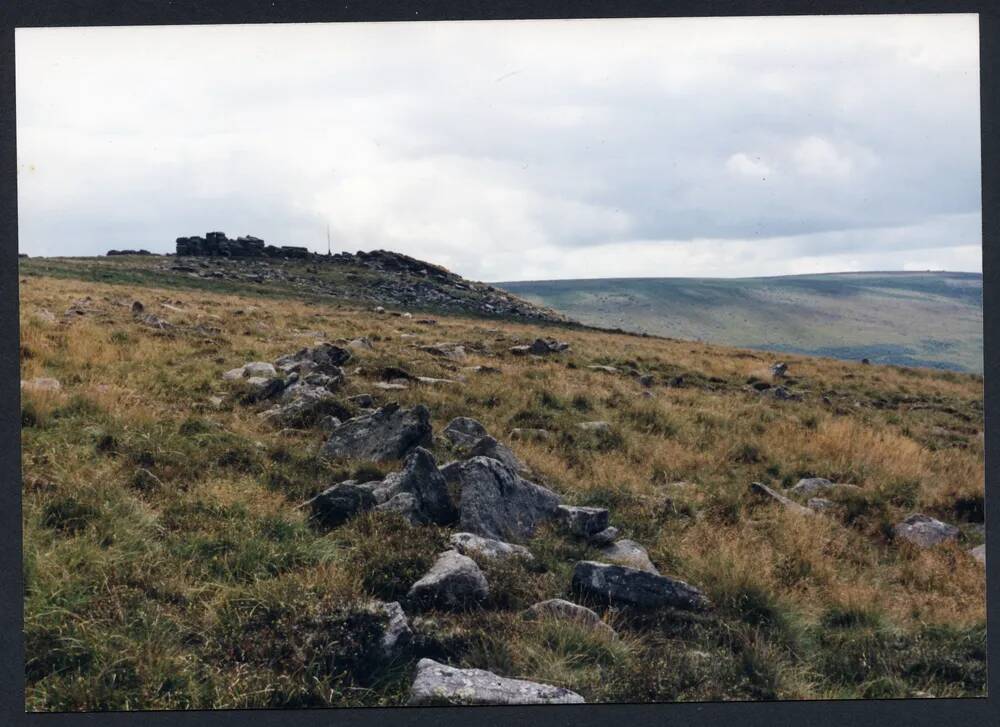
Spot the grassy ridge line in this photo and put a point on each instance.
(168, 567)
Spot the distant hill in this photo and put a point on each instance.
(930, 319)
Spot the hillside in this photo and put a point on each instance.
(229, 485)
(911, 319)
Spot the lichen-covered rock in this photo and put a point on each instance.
(498, 503)
(325, 358)
(925, 531)
(397, 634)
(437, 683)
(453, 582)
(604, 537)
(629, 553)
(336, 505)
(386, 434)
(622, 586)
(464, 431)
(489, 447)
(559, 608)
(583, 521)
(475, 546)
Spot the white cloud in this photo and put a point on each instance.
(515, 149)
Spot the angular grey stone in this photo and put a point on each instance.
(489, 447)
(388, 433)
(604, 537)
(439, 684)
(497, 503)
(559, 608)
(779, 370)
(979, 553)
(453, 582)
(474, 545)
(622, 586)
(464, 431)
(259, 368)
(924, 531)
(397, 634)
(336, 505)
(362, 400)
(405, 504)
(421, 477)
(583, 521)
(761, 489)
(324, 358)
(629, 553)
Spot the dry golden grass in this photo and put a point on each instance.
(142, 538)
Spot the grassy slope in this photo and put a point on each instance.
(168, 567)
(921, 319)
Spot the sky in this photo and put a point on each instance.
(515, 150)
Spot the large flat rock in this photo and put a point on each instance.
(386, 434)
(440, 684)
(622, 586)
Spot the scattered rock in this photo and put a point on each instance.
(559, 608)
(379, 309)
(362, 400)
(464, 431)
(647, 380)
(388, 433)
(453, 351)
(599, 426)
(490, 447)
(629, 553)
(814, 485)
(820, 504)
(925, 532)
(866, 362)
(439, 684)
(325, 358)
(137, 307)
(540, 347)
(473, 545)
(979, 553)
(421, 478)
(361, 344)
(759, 488)
(398, 634)
(481, 369)
(780, 392)
(779, 370)
(391, 386)
(497, 503)
(338, 504)
(622, 586)
(582, 521)
(605, 369)
(531, 435)
(604, 537)
(453, 582)
(433, 381)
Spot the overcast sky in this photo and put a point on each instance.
(515, 150)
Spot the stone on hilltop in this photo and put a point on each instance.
(437, 683)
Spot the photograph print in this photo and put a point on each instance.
(501, 362)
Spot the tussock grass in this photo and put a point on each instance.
(167, 564)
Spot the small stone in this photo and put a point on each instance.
(464, 431)
(530, 435)
(979, 553)
(558, 608)
(338, 504)
(647, 380)
(605, 537)
(582, 521)
(41, 384)
(474, 545)
(759, 488)
(137, 307)
(925, 531)
(820, 504)
(453, 582)
(629, 553)
(598, 426)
